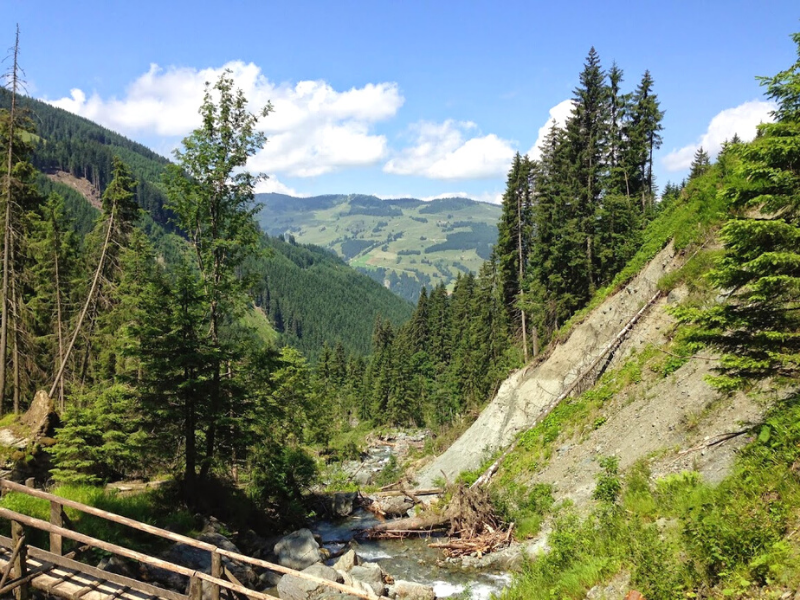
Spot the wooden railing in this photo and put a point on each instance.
(58, 528)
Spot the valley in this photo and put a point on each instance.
(590, 390)
(403, 244)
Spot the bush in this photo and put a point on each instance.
(279, 475)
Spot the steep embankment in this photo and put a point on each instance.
(523, 396)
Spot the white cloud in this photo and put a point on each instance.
(558, 116)
(315, 129)
(443, 151)
(741, 120)
(272, 184)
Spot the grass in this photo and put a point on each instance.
(679, 537)
(150, 507)
(255, 320)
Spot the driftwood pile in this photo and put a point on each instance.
(469, 521)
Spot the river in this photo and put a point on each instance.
(411, 559)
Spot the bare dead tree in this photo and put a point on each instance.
(8, 225)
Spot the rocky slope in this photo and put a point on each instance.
(522, 397)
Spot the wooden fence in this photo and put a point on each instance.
(34, 567)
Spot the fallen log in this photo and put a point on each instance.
(420, 523)
(409, 493)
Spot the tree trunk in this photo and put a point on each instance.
(59, 332)
(89, 300)
(211, 434)
(421, 523)
(7, 225)
(521, 260)
(190, 472)
(15, 345)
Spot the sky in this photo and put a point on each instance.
(413, 98)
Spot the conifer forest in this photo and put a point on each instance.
(173, 339)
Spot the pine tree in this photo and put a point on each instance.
(119, 212)
(700, 163)
(757, 328)
(54, 253)
(513, 241)
(212, 197)
(587, 132)
(617, 116)
(644, 139)
(19, 201)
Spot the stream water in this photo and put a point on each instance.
(411, 559)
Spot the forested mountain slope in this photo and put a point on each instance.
(403, 243)
(312, 297)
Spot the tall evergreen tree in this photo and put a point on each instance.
(212, 197)
(587, 136)
(757, 328)
(645, 138)
(700, 163)
(513, 241)
(119, 212)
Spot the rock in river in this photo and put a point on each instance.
(298, 550)
(295, 588)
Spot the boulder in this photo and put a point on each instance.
(164, 578)
(253, 544)
(342, 503)
(298, 550)
(395, 506)
(371, 575)
(347, 561)
(200, 560)
(408, 590)
(295, 588)
(268, 579)
(117, 565)
(346, 579)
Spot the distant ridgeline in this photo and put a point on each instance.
(404, 243)
(311, 297)
(71, 144)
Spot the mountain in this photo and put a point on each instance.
(402, 243)
(312, 297)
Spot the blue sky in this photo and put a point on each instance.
(401, 98)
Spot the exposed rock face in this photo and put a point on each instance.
(295, 588)
(298, 550)
(526, 392)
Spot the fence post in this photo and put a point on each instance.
(195, 588)
(22, 592)
(216, 571)
(56, 518)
